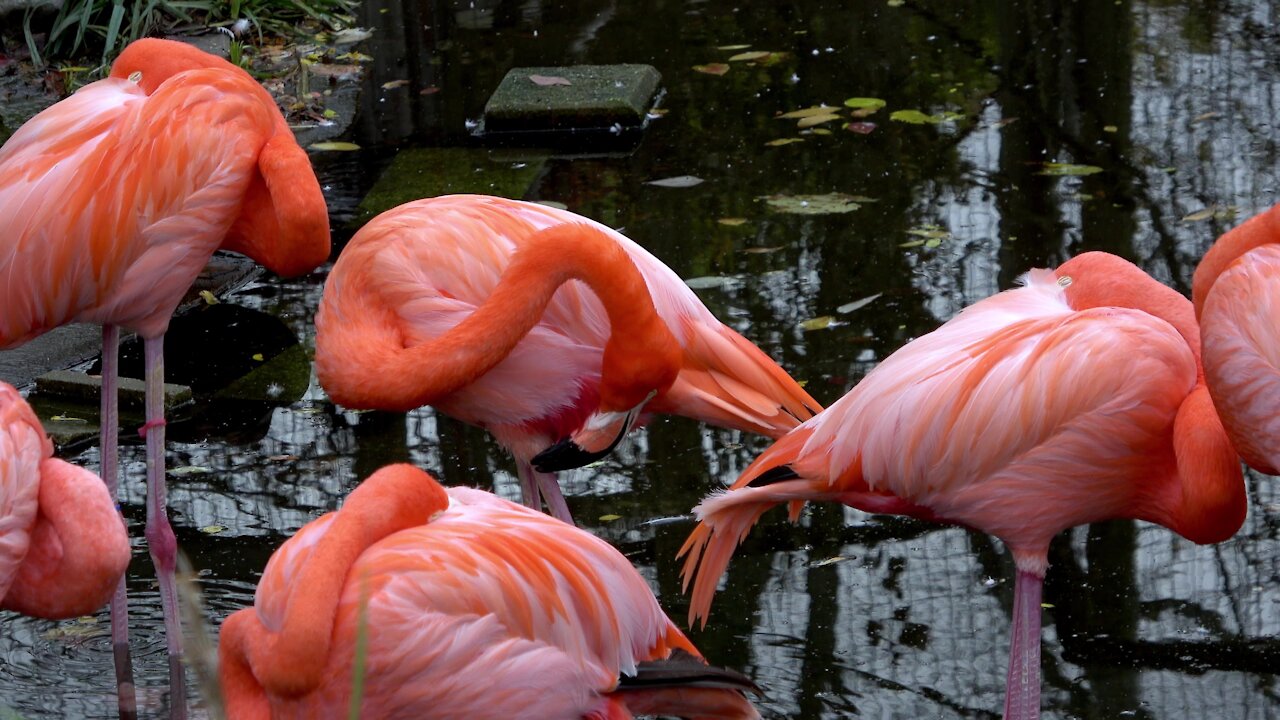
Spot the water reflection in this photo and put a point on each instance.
(843, 614)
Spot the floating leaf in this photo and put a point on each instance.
(819, 323)
(863, 103)
(732, 221)
(213, 529)
(1205, 116)
(748, 56)
(1110, 129)
(429, 90)
(896, 3)
(712, 68)
(828, 561)
(812, 204)
(711, 281)
(915, 117)
(67, 419)
(393, 84)
(189, 470)
(208, 297)
(610, 518)
(282, 458)
(1046, 605)
(806, 112)
(862, 128)
(911, 243)
(351, 35)
(819, 131)
(812, 120)
(1199, 215)
(257, 356)
(762, 250)
(850, 307)
(733, 47)
(339, 146)
(1068, 169)
(679, 181)
(546, 80)
(783, 141)
(929, 231)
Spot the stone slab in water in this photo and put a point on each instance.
(430, 172)
(87, 388)
(595, 96)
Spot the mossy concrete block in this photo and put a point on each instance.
(284, 379)
(78, 387)
(431, 172)
(595, 96)
(68, 424)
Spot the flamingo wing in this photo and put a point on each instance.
(1019, 417)
(23, 446)
(82, 248)
(1241, 350)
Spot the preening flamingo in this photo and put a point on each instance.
(466, 302)
(458, 604)
(1073, 399)
(1237, 297)
(63, 549)
(113, 200)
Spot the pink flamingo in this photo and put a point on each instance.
(63, 549)
(464, 302)
(1237, 298)
(113, 200)
(416, 602)
(1074, 399)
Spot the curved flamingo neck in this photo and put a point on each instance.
(640, 356)
(292, 661)
(1100, 279)
(1258, 230)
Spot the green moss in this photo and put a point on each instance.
(283, 378)
(430, 172)
(595, 96)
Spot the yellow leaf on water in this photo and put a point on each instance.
(783, 141)
(334, 146)
(712, 68)
(812, 120)
(393, 84)
(806, 112)
(747, 56)
(1199, 215)
(208, 297)
(610, 518)
(257, 356)
(733, 47)
(213, 529)
(819, 323)
(732, 221)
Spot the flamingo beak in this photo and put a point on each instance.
(599, 435)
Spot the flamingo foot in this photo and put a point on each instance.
(1022, 692)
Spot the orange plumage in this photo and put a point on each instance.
(1074, 399)
(468, 606)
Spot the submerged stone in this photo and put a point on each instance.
(572, 98)
(79, 387)
(431, 172)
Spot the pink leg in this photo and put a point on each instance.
(160, 539)
(1022, 692)
(529, 494)
(550, 488)
(109, 470)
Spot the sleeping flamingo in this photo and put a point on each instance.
(63, 549)
(1237, 298)
(1073, 399)
(464, 302)
(113, 200)
(458, 604)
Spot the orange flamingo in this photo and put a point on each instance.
(464, 302)
(1074, 399)
(113, 200)
(458, 604)
(1237, 298)
(63, 549)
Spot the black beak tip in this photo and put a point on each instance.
(564, 455)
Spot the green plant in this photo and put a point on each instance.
(101, 28)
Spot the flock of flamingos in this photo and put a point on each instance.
(1090, 392)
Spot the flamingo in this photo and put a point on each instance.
(113, 200)
(1075, 398)
(1236, 290)
(457, 604)
(463, 302)
(63, 549)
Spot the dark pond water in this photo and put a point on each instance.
(843, 615)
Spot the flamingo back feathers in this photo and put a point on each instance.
(23, 446)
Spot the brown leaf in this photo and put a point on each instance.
(545, 80)
(862, 128)
(712, 68)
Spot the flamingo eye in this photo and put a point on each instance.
(1064, 281)
(135, 77)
